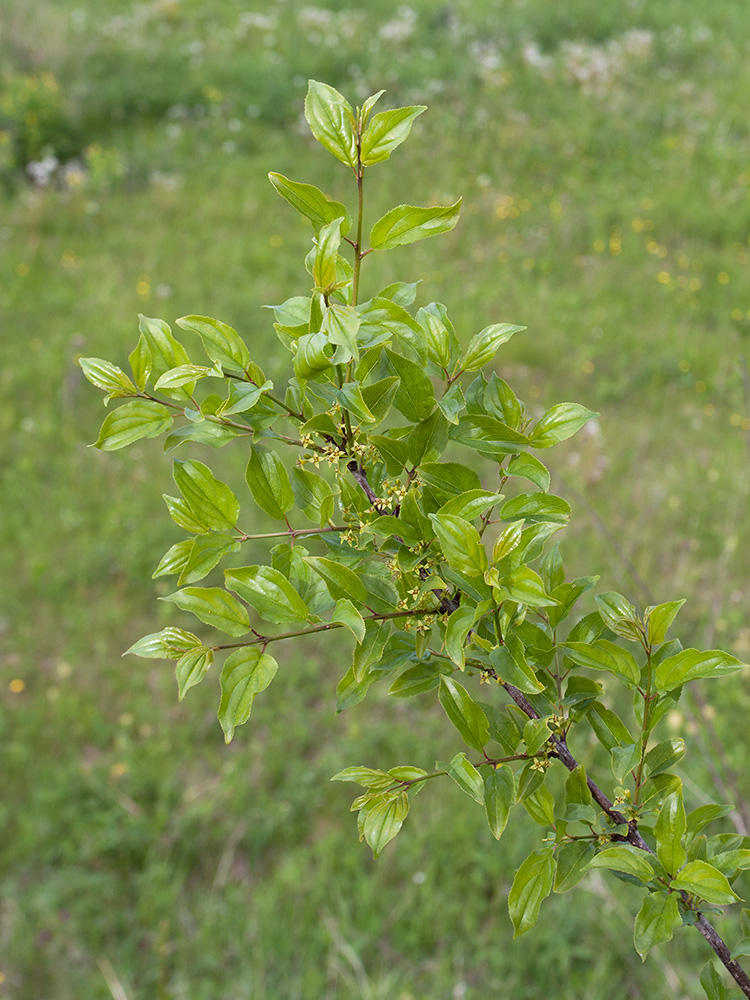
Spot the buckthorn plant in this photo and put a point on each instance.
(446, 581)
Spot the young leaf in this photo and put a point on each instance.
(415, 397)
(369, 650)
(220, 342)
(210, 500)
(483, 346)
(206, 551)
(711, 981)
(140, 363)
(270, 593)
(385, 132)
(429, 439)
(107, 376)
(132, 422)
(331, 120)
(346, 614)
(705, 881)
(246, 673)
(559, 423)
(659, 619)
(531, 886)
(624, 858)
(656, 922)
(191, 668)
(691, 664)
(165, 352)
(499, 797)
(619, 615)
(572, 864)
(466, 777)
(536, 507)
(213, 606)
(384, 819)
(311, 202)
(529, 467)
(408, 223)
(460, 543)
(669, 830)
(342, 582)
(605, 655)
(169, 644)
(268, 482)
(464, 713)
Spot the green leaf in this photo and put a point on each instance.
(664, 755)
(418, 679)
(165, 352)
(659, 619)
(384, 819)
(107, 376)
(140, 363)
(559, 423)
(169, 644)
(510, 665)
(531, 886)
(605, 655)
(175, 378)
(210, 500)
(246, 673)
(669, 830)
(578, 801)
(572, 864)
(489, 435)
(206, 551)
(483, 346)
(313, 495)
(443, 480)
(270, 593)
(268, 482)
(328, 240)
(442, 344)
(524, 586)
(213, 606)
(369, 650)
(691, 664)
(452, 403)
(341, 581)
(429, 439)
(703, 815)
(340, 325)
(312, 355)
(540, 805)
(221, 343)
(507, 540)
(174, 559)
(131, 422)
(311, 202)
(470, 504)
(623, 760)
(368, 777)
(379, 396)
(331, 120)
(466, 776)
(346, 614)
(191, 668)
(467, 717)
(456, 631)
(460, 543)
(658, 918)
(609, 728)
(536, 732)
(529, 467)
(704, 880)
(386, 131)
(415, 397)
(624, 858)
(618, 615)
(536, 507)
(409, 223)
(499, 797)
(711, 981)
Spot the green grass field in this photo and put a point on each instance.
(603, 153)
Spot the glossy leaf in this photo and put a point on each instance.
(165, 352)
(408, 223)
(131, 422)
(208, 498)
(572, 864)
(385, 132)
(691, 664)
(659, 619)
(624, 858)
(311, 202)
(536, 507)
(346, 614)
(331, 120)
(342, 582)
(529, 467)
(107, 376)
(270, 593)
(460, 543)
(466, 776)
(705, 881)
(483, 346)
(268, 482)
(499, 797)
(559, 423)
(206, 552)
(191, 668)
(415, 397)
(384, 819)
(658, 919)
(711, 981)
(669, 830)
(619, 615)
(605, 655)
(213, 606)
(140, 363)
(169, 644)
(531, 886)
(245, 674)
(220, 342)
(467, 717)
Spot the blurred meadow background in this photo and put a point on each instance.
(603, 153)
